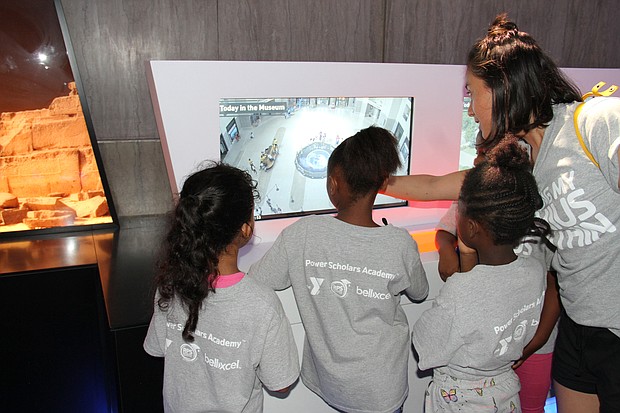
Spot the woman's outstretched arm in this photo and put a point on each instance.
(425, 187)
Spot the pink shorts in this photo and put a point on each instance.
(535, 377)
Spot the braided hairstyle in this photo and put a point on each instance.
(367, 159)
(501, 194)
(524, 81)
(213, 205)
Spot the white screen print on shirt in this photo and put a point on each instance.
(574, 219)
(341, 287)
(521, 327)
(191, 351)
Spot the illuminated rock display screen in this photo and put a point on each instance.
(49, 174)
(285, 143)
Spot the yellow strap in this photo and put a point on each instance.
(596, 91)
(581, 142)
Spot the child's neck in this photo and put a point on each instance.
(358, 213)
(227, 262)
(496, 255)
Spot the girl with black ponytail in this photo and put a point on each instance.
(217, 329)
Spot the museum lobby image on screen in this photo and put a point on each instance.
(285, 143)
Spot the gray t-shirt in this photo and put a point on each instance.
(537, 250)
(242, 338)
(481, 319)
(581, 203)
(347, 282)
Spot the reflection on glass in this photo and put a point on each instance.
(49, 177)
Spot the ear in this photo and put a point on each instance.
(473, 228)
(333, 184)
(384, 185)
(247, 230)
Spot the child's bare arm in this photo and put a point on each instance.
(548, 319)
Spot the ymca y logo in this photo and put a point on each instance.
(316, 285)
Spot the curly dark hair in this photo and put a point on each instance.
(213, 205)
(501, 193)
(524, 81)
(367, 159)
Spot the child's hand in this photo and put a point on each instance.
(468, 256)
(448, 263)
(464, 249)
(532, 347)
(518, 363)
(448, 257)
(524, 357)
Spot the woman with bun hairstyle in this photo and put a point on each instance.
(515, 87)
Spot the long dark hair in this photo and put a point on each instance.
(367, 159)
(525, 82)
(213, 205)
(501, 193)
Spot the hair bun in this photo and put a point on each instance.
(501, 26)
(508, 153)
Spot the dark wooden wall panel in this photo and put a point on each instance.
(430, 31)
(114, 39)
(258, 30)
(574, 33)
(299, 30)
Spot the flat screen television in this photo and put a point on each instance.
(51, 175)
(285, 143)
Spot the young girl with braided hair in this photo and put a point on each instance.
(482, 319)
(223, 335)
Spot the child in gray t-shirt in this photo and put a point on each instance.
(482, 319)
(223, 336)
(534, 368)
(347, 274)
